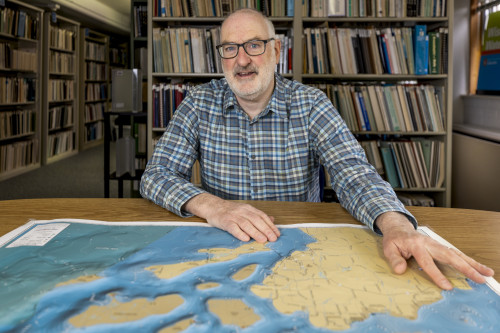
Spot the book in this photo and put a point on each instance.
(489, 66)
(21, 31)
(336, 8)
(421, 50)
(389, 164)
(434, 52)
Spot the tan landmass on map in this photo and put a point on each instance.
(118, 312)
(80, 279)
(233, 312)
(343, 277)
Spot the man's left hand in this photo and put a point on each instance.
(401, 242)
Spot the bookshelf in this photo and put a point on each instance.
(60, 90)
(139, 35)
(139, 44)
(139, 59)
(398, 83)
(20, 99)
(94, 86)
(118, 59)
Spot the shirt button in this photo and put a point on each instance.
(252, 157)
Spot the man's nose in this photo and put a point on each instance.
(242, 58)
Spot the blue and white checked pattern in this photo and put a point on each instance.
(275, 156)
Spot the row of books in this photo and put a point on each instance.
(408, 164)
(95, 92)
(94, 131)
(118, 56)
(192, 50)
(24, 60)
(17, 90)
(17, 123)
(61, 90)
(396, 50)
(285, 63)
(389, 108)
(186, 50)
(94, 112)
(60, 117)
(60, 143)
(140, 21)
(166, 99)
(18, 23)
(61, 38)
(19, 154)
(17, 59)
(95, 51)
(374, 8)
(219, 8)
(61, 63)
(95, 71)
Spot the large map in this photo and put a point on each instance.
(93, 276)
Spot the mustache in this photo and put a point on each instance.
(249, 68)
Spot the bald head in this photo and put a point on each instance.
(249, 12)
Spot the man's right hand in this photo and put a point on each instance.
(243, 221)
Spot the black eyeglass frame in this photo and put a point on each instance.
(265, 41)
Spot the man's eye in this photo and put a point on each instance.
(229, 48)
(254, 45)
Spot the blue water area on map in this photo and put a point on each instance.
(28, 272)
(476, 310)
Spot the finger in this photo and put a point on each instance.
(426, 262)
(235, 230)
(482, 269)
(251, 230)
(264, 223)
(469, 267)
(396, 260)
(268, 229)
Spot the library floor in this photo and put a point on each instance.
(79, 176)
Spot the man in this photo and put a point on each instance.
(259, 136)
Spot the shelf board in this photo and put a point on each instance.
(16, 104)
(391, 20)
(375, 77)
(96, 101)
(58, 49)
(19, 136)
(420, 189)
(62, 74)
(414, 133)
(189, 75)
(91, 122)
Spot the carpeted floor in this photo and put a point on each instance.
(79, 176)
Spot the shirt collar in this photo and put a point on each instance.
(279, 103)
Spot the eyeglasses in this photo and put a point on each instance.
(252, 48)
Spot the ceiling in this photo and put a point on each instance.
(108, 16)
(121, 6)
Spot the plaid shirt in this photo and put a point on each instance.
(275, 156)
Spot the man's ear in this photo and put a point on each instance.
(277, 48)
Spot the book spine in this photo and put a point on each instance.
(421, 50)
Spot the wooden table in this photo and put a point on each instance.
(477, 233)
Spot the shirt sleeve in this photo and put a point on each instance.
(359, 187)
(166, 179)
